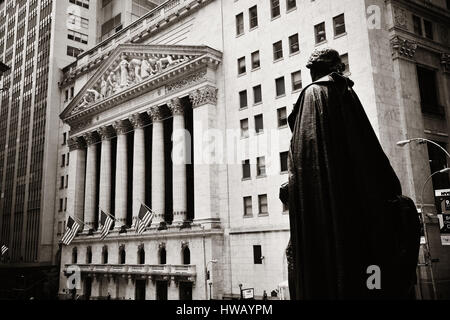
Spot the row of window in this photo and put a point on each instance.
(261, 166)
(259, 123)
(253, 14)
(162, 255)
(423, 27)
(338, 25)
(65, 160)
(263, 207)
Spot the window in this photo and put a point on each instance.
(277, 50)
(65, 204)
(280, 87)
(344, 59)
(256, 63)
(428, 90)
(64, 139)
(240, 24)
(162, 256)
(275, 8)
(105, 255)
(257, 94)
(339, 25)
(253, 14)
(63, 161)
(241, 66)
(122, 255)
(72, 92)
(262, 203)
(81, 3)
(73, 52)
(261, 166)
(296, 81)
(61, 186)
(244, 128)
(320, 33)
(68, 156)
(66, 96)
(259, 123)
(67, 182)
(246, 172)
(248, 212)
(88, 255)
(61, 205)
(282, 117)
(77, 36)
(417, 22)
(111, 26)
(284, 161)
(186, 256)
(243, 99)
(291, 4)
(141, 255)
(428, 27)
(257, 255)
(78, 21)
(74, 255)
(293, 44)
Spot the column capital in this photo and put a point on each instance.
(176, 107)
(91, 138)
(202, 96)
(106, 133)
(76, 143)
(156, 113)
(445, 61)
(403, 48)
(122, 127)
(137, 121)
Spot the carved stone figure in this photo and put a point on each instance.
(112, 84)
(123, 68)
(97, 95)
(145, 69)
(104, 87)
(137, 64)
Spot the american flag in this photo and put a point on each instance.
(107, 222)
(71, 231)
(4, 249)
(144, 219)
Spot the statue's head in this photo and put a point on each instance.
(323, 62)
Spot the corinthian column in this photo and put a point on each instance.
(179, 161)
(138, 123)
(106, 133)
(158, 165)
(121, 128)
(204, 101)
(77, 175)
(91, 176)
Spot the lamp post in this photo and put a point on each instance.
(208, 277)
(428, 259)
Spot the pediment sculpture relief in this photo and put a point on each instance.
(128, 72)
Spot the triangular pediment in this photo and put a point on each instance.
(130, 66)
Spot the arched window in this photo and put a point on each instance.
(74, 255)
(186, 255)
(89, 255)
(162, 256)
(122, 254)
(105, 255)
(141, 255)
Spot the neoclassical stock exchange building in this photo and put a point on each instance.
(133, 97)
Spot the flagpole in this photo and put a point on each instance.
(148, 208)
(109, 215)
(77, 220)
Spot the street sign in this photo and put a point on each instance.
(444, 223)
(248, 294)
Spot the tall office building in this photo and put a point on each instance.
(37, 39)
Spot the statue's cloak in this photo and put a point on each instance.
(340, 182)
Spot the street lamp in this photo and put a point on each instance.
(422, 141)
